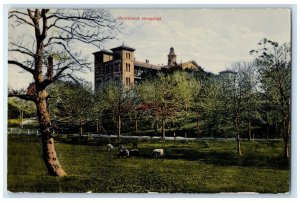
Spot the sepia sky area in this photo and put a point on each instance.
(214, 38)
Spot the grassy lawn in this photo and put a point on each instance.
(188, 167)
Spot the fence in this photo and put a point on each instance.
(22, 131)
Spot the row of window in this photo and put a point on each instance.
(127, 81)
(110, 69)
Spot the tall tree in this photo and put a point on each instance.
(250, 99)
(100, 106)
(246, 91)
(117, 98)
(47, 51)
(71, 104)
(24, 109)
(167, 96)
(208, 104)
(274, 62)
(232, 86)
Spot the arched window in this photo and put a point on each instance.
(127, 67)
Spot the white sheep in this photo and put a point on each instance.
(157, 153)
(109, 147)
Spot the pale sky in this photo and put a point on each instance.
(214, 38)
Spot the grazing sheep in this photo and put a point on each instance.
(109, 147)
(134, 152)
(123, 151)
(156, 153)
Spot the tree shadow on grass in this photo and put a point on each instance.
(228, 158)
(220, 155)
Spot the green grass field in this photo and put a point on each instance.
(188, 167)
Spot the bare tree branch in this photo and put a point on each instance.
(22, 96)
(45, 26)
(21, 65)
(21, 20)
(20, 51)
(30, 14)
(29, 52)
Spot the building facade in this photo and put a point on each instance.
(115, 65)
(119, 65)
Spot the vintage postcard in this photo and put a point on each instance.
(164, 100)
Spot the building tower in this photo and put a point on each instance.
(171, 58)
(124, 58)
(102, 58)
(116, 65)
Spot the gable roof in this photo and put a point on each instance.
(103, 51)
(123, 47)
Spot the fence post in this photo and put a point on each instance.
(27, 131)
(37, 132)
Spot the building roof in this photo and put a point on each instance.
(146, 65)
(171, 51)
(191, 61)
(122, 47)
(103, 51)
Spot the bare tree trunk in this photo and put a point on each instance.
(286, 149)
(163, 128)
(136, 126)
(119, 126)
(249, 129)
(239, 151)
(49, 153)
(238, 141)
(97, 125)
(80, 130)
(286, 132)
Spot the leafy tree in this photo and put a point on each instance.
(71, 104)
(167, 96)
(208, 105)
(274, 63)
(21, 107)
(100, 107)
(47, 51)
(233, 92)
(246, 82)
(117, 99)
(251, 101)
(136, 110)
